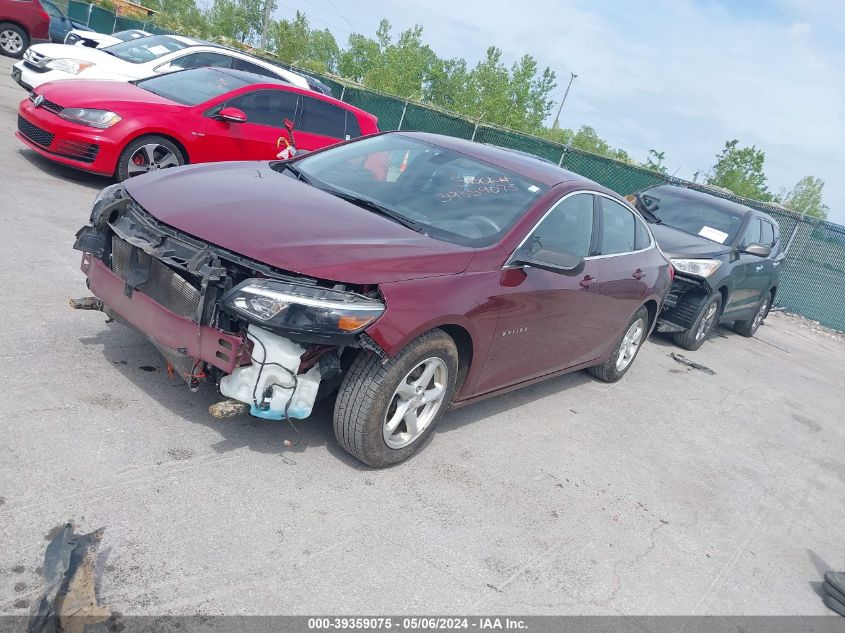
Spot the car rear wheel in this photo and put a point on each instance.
(626, 349)
(13, 40)
(705, 322)
(385, 411)
(749, 327)
(147, 154)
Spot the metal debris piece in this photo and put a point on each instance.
(228, 409)
(834, 590)
(86, 303)
(68, 602)
(683, 360)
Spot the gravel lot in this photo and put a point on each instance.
(671, 492)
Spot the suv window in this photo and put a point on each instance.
(201, 60)
(320, 117)
(569, 227)
(249, 67)
(52, 9)
(267, 107)
(753, 234)
(767, 234)
(619, 229)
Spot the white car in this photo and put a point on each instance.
(137, 59)
(92, 39)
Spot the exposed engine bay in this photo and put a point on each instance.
(270, 339)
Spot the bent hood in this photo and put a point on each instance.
(259, 213)
(676, 243)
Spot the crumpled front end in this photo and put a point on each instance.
(267, 338)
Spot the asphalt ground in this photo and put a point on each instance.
(670, 492)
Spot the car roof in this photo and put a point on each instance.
(519, 162)
(723, 204)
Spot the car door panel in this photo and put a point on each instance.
(750, 274)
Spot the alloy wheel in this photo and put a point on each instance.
(761, 314)
(151, 157)
(415, 402)
(707, 322)
(630, 344)
(11, 42)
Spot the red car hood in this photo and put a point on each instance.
(94, 93)
(250, 209)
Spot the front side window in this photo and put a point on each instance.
(145, 49)
(568, 228)
(452, 196)
(767, 233)
(320, 117)
(267, 107)
(753, 234)
(619, 229)
(192, 87)
(201, 60)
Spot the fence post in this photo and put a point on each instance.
(474, 130)
(88, 19)
(792, 237)
(342, 92)
(563, 155)
(402, 118)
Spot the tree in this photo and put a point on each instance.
(740, 169)
(296, 43)
(240, 20)
(655, 161)
(806, 197)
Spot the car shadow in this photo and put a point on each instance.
(664, 339)
(92, 181)
(131, 354)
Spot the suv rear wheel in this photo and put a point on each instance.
(749, 327)
(706, 321)
(13, 40)
(385, 411)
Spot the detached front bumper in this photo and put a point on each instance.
(683, 304)
(220, 349)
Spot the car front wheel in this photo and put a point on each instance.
(13, 40)
(705, 322)
(385, 411)
(147, 154)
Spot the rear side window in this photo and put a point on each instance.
(267, 107)
(641, 237)
(753, 235)
(353, 130)
(249, 67)
(568, 227)
(619, 229)
(767, 233)
(320, 117)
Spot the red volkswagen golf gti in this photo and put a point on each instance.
(199, 115)
(407, 272)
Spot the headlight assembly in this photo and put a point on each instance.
(70, 66)
(101, 119)
(696, 267)
(310, 310)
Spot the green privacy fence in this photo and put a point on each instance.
(813, 282)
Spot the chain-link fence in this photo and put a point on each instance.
(813, 279)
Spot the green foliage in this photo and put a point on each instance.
(806, 197)
(296, 43)
(239, 20)
(740, 169)
(655, 161)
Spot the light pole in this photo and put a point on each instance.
(572, 76)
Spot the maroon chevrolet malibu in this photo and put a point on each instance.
(401, 273)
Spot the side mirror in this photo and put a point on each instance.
(552, 261)
(759, 250)
(232, 115)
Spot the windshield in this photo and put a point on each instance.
(192, 87)
(693, 216)
(145, 49)
(451, 196)
(129, 35)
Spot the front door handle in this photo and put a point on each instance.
(587, 281)
(638, 274)
(759, 268)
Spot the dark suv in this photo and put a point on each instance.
(727, 259)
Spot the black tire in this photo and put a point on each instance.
(161, 145)
(749, 327)
(694, 337)
(13, 40)
(608, 371)
(368, 393)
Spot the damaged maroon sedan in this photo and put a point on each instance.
(407, 272)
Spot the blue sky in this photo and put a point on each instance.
(681, 76)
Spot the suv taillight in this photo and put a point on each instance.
(671, 273)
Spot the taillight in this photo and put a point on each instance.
(44, 14)
(671, 273)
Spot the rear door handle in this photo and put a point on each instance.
(638, 274)
(587, 281)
